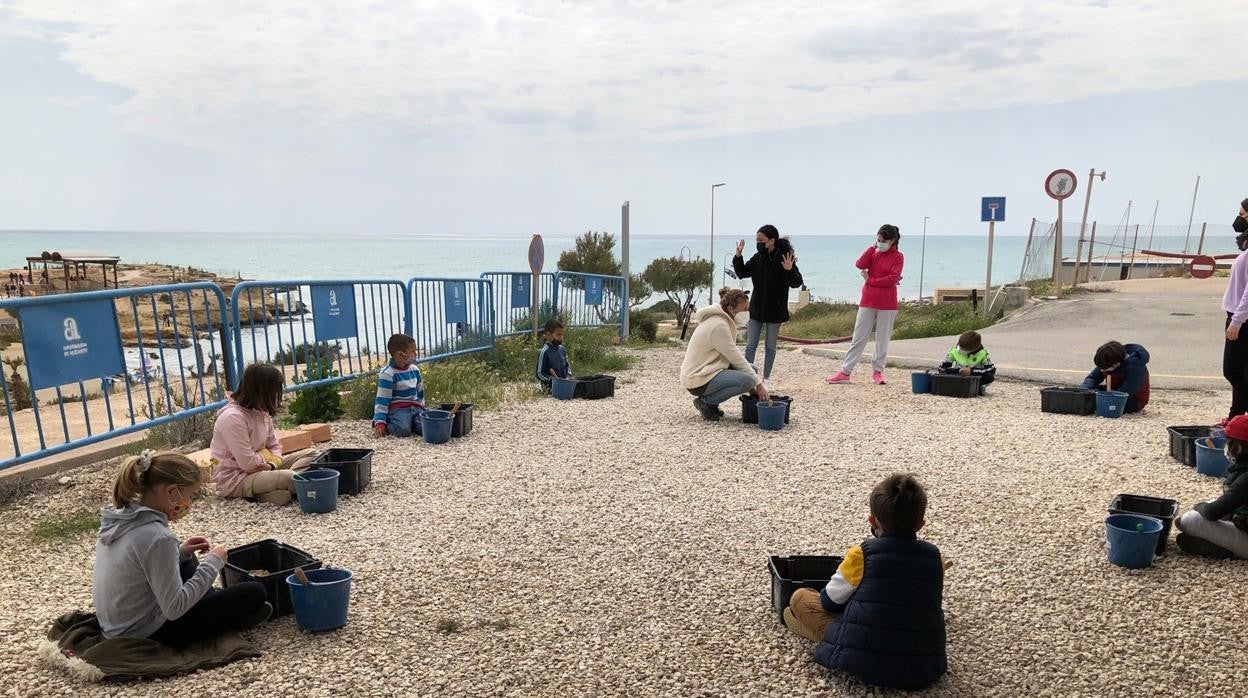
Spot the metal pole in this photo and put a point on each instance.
(1091, 245)
(1152, 227)
(1022, 271)
(1057, 251)
(1083, 224)
(1201, 247)
(988, 281)
(710, 298)
(626, 300)
(1191, 214)
(1134, 243)
(923, 258)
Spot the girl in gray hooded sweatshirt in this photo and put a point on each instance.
(146, 584)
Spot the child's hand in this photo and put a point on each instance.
(379, 430)
(864, 274)
(219, 551)
(271, 458)
(966, 371)
(194, 544)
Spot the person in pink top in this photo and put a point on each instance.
(880, 267)
(1235, 303)
(244, 443)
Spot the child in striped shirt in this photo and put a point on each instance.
(400, 391)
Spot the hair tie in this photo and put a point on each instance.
(145, 460)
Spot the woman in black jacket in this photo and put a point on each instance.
(774, 271)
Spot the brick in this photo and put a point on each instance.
(203, 458)
(293, 440)
(320, 433)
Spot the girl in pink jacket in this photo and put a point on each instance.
(244, 444)
(880, 267)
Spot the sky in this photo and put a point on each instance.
(501, 117)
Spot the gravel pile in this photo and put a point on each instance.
(619, 546)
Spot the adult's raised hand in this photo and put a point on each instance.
(740, 247)
(788, 261)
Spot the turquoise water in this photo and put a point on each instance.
(826, 262)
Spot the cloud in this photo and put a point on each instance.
(217, 74)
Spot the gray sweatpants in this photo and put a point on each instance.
(870, 318)
(1220, 533)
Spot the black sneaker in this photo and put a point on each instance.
(1199, 546)
(717, 410)
(262, 614)
(708, 412)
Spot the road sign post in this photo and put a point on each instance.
(1060, 184)
(991, 209)
(537, 258)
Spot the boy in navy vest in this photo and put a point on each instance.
(879, 618)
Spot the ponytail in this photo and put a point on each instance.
(151, 469)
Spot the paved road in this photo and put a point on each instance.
(1179, 321)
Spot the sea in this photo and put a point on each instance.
(826, 262)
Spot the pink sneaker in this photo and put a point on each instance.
(878, 378)
(838, 377)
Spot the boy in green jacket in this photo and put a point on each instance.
(970, 358)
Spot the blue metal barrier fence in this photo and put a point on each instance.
(166, 347)
(450, 317)
(336, 329)
(591, 300)
(513, 298)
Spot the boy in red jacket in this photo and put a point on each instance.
(881, 268)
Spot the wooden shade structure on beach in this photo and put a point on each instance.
(78, 260)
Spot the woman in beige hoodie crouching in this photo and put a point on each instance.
(714, 369)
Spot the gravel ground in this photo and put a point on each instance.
(619, 547)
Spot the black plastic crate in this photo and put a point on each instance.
(274, 557)
(788, 574)
(594, 387)
(354, 466)
(1080, 401)
(749, 407)
(463, 418)
(955, 385)
(1183, 443)
(1158, 508)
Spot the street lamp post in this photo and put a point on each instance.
(923, 257)
(710, 298)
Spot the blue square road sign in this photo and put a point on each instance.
(992, 208)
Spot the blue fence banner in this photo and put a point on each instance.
(333, 312)
(593, 291)
(456, 293)
(70, 342)
(521, 291)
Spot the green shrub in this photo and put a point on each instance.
(643, 326)
(194, 431)
(363, 396)
(467, 380)
(307, 352)
(321, 403)
(663, 307)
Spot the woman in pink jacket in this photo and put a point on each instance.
(880, 267)
(244, 444)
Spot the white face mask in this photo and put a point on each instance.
(883, 246)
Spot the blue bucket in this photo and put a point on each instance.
(322, 603)
(1211, 460)
(436, 426)
(920, 382)
(317, 490)
(1110, 403)
(771, 416)
(563, 388)
(1131, 539)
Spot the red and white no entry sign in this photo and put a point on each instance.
(1060, 184)
(1203, 266)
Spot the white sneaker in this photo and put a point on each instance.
(767, 384)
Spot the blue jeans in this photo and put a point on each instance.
(404, 421)
(752, 332)
(726, 385)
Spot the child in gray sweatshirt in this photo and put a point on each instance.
(146, 584)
